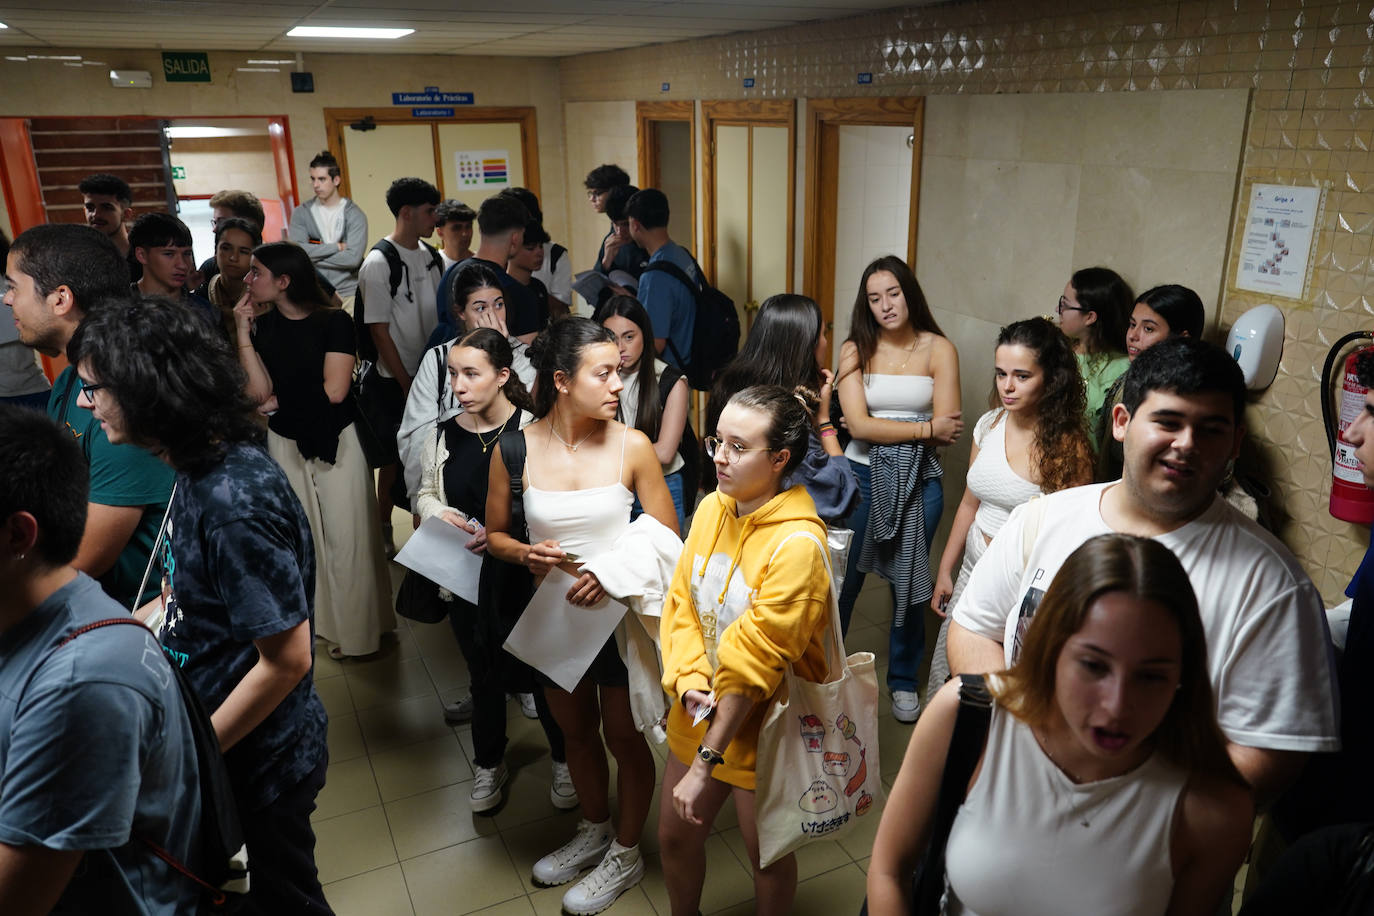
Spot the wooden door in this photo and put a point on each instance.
(750, 181)
(863, 170)
(667, 161)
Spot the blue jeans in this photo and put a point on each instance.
(674, 482)
(906, 643)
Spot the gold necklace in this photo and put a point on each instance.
(570, 446)
(500, 429)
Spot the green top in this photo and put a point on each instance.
(1099, 371)
(121, 475)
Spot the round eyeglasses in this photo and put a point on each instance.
(732, 452)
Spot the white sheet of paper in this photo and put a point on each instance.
(438, 551)
(561, 639)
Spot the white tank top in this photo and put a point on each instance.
(1028, 841)
(893, 397)
(990, 478)
(584, 522)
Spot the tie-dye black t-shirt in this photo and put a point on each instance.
(241, 566)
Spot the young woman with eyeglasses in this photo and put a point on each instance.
(750, 596)
(899, 387)
(299, 359)
(583, 471)
(1093, 311)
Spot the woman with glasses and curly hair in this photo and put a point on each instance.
(1032, 442)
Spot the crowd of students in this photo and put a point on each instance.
(226, 447)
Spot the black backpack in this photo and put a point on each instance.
(715, 336)
(366, 348)
(223, 871)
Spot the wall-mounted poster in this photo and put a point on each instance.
(1276, 250)
(482, 169)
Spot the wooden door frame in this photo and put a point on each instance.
(645, 114)
(822, 155)
(746, 113)
(336, 121)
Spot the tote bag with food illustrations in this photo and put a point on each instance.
(818, 772)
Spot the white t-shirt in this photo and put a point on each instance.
(1268, 646)
(329, 220)
(557, 280)
(411, 315)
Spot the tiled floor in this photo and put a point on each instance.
(396, 835)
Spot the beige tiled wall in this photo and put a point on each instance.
(1308, 63)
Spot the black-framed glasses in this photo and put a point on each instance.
(1065, 307)
(732, 452)
(90, 388)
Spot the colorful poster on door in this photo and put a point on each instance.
(482, 169)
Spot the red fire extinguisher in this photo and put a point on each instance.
(1351, 500)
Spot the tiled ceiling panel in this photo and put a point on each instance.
(532, 28)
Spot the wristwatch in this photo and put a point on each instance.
(709, 756)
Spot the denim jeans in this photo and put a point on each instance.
(674, 482)
(907, 642)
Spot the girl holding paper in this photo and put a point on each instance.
(453, 487)
(582, 473)
(750, 596)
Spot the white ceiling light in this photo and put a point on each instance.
(3, 26)
(22, 60)
(291, 60)
(329, 31)
(54, 57)
(197, 132)
(258, 69)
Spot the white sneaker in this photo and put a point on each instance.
(620, 869)
(562, 793)
(460, 712)
(588, 845)
(486, 788)
(906, 706)
(527, 706)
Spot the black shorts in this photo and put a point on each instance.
(607, 669)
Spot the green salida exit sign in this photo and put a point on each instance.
(186, 66)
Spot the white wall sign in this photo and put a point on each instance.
(482, 169)
(1275, 253)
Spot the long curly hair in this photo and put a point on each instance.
(1062, 451)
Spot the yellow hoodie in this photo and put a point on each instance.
(770, 606)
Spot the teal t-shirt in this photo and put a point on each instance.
(121, 475)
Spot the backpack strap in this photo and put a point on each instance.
(512, 444)
(436, 263)
(678, 274)
(666, 381)
(393, 262)
(109, 622)
(965, 749)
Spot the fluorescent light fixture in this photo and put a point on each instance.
(54, 57)
(287, 61)
(70, 63)
(22, 60)
(3, 26)
(330, 31)
(258, 69)
(94, 63)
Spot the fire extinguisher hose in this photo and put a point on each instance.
(1331, 356)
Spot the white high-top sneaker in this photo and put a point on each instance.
(620, 869)
(586, 847)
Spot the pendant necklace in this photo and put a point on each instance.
(570, 446)
(500, 429)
